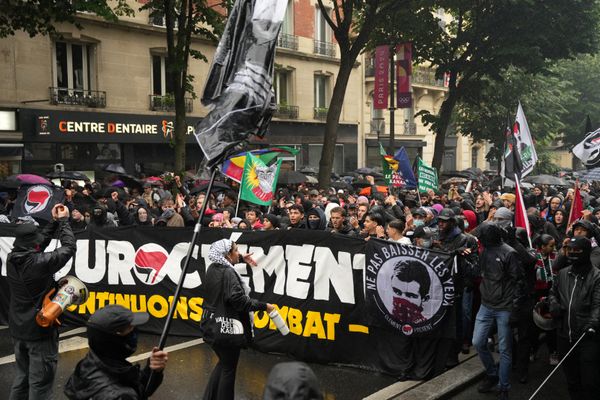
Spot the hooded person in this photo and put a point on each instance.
(574, 301)
(99, 217)
(292, 381)
(583, 228)
(77, 219)
(142, 216)
(104, 373)
(30, 274)
(315, 219)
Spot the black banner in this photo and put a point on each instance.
(316, 279)
(408, 288)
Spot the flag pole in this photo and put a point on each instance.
(186, 263)
(237, 205)
(521, 204)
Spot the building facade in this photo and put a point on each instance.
(96, 96)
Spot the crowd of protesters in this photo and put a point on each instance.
(502, 275)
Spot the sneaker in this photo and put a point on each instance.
(554, 360)
(488, 384)
(503, 395)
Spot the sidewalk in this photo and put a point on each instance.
(468, 370)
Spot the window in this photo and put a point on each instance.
(281, 86)
(160, 84)
(287, 27)
(322, 30)
(474, 157)
(73, 66)
(321, 91)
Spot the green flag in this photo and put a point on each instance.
(385, 165)
(428, 178)
(259, 180)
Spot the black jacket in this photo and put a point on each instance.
(578, 296)
(455, 243)
(500, 270)
(223, 279)
(30, 276)
(95, 379)
(346, 229)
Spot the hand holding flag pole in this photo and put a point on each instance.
(186, 263)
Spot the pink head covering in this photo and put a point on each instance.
(437, 207)
(362, 200)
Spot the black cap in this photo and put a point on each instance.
(420, 211)
(115, 319)
(447, 214)
(27, 236)
(580, 242)
(422, 232)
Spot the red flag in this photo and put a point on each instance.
(521, 220)
(576, 206)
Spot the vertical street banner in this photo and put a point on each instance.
(382, 73)
(259, 181)
(36, 201)
(403, 75)
(427, 176)
(408, 288)
(524, 142)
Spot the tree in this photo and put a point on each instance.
(485, 37)
(183, 20)
(352, 23)
(39, 17)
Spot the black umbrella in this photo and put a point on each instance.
(115, 169)
(342, 185)
(361, 184)
(546, 180)
(290, 177)
(308, 170)
(132, 182)
(217, 187)
(72, 175)
(369, 171)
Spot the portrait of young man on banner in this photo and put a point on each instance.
(408, 288)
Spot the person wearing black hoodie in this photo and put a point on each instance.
(315, 219)
(501, 273)
(292, 381)
(30, 273)
(575, 301)
(105, 373)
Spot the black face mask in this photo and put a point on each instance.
(314, 223)
(579, 260)
(112, 346)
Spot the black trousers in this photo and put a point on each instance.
(581, 367)
(221, 385)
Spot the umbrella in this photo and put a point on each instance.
(590, 175)
(217, 187)
(28, 179)
(361, 184)
(115, 169)
(369, 171)
(308, 170)
(455, 181)
(72, 175)
(546, 180)
(342, 185)
(131, 182)
(311, 179)
(152, 179)
(290, 177)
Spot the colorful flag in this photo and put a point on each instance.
(233, 167)
(36, 201)
(588, 151)
(390, 168)
(511, 165)
(259, 181)
(524, 142)
(427, 176)
(405, 169)
(239, 86)
(576, 206)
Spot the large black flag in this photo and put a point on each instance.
(239, 87)
(36, 201)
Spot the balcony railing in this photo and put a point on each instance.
(167, 103)
(78, 97)
(287, 41)
(410, 128)
(325, 48)
(320, 113)
(286, 112)
(426, 76)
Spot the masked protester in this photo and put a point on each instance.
(292, 381)
(575, 300)
(105, 373)
(30, 276)
(315, 219)
(501, 272)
